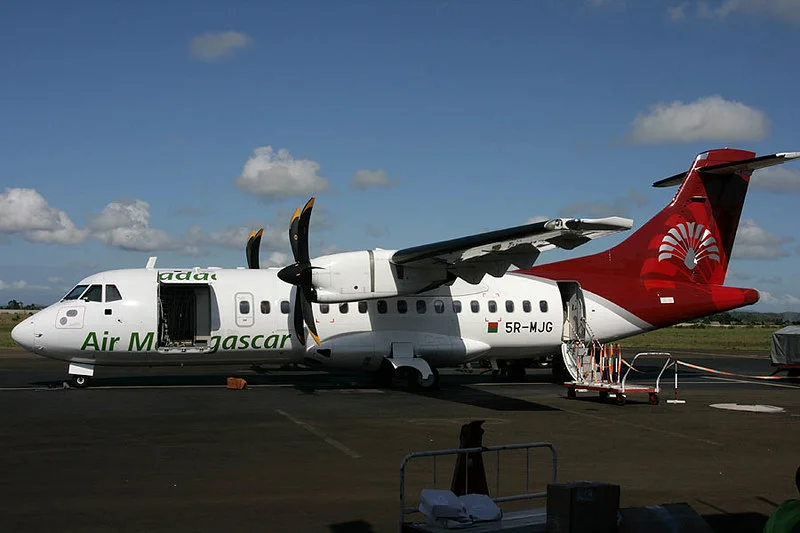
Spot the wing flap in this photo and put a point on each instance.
(494, 252)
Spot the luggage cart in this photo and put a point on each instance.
(601, 370)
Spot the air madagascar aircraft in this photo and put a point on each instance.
(419, 308)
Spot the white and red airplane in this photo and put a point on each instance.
(419, 308)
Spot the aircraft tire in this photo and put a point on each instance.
(559, 373)
(415, 380)
(80, 382)
(517, 372)
(384, 375)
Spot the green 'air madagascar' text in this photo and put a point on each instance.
(145, 342)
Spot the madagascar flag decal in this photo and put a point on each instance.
(492, 327)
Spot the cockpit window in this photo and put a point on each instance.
(112, 293)
(93, 294)
(75, 293)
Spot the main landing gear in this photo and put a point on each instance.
(388, 371)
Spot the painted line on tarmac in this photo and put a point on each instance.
(317, 433)
(641, 426)
(139, 387)
(731, 380)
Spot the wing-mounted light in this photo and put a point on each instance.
(252, 248)
(299, 273)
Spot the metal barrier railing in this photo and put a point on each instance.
(669, 362)
(484, 450)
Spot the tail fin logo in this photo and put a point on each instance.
(689, 242)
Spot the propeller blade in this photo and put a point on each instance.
(298, 317)
(293, 233)
(248, 249)
(302, 232)
(308, 315)
(254, 249)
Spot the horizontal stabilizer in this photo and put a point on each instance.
(747, 165)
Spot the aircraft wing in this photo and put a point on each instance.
(494, 252)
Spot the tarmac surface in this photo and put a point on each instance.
(172, 449)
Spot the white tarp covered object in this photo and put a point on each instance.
(786, 346)
(443, 508)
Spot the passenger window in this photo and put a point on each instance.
(94, 294)
(343, 308)
(543, 306)
(382, 306)
(264, 307)
(402, 306)
(244, 307)
(475, 306)
(362, 307)
(75, 293)
(421, 306)
(456, 306)
(324, 308)
(526, 306)
(509, 306)
(492, 306)
(112, 293)
(285, 307)
(438, 306)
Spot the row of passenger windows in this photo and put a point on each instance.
(94, 293)
(382, 306)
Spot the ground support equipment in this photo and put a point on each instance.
(528, 520)
(601, 371)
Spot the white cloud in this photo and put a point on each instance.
(22, 285)
(537, 218)
(365, 179)
(677, 13)
(55, 279)
(707, 119)
(126, 225)
(754, 242)
(274, 176)
(785, 10)
(26, 211)
(618, 207)
(235, 237)
(276, 259)
(777, 179)
(216, 46)
(785, 299)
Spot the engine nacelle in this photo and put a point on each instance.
(368, 274)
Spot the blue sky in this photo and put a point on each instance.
(131, 129)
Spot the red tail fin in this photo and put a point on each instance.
(673, 267)
(691, 239)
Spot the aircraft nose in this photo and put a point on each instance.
(23, 333)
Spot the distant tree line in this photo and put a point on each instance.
(750, 318)
(17, 305)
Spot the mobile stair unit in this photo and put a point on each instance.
(599, 368)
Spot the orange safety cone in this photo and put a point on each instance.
(469, 476)
(237, 383)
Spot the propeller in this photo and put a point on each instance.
(299, 273)
(252, 248)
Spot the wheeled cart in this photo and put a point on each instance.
(599, 370)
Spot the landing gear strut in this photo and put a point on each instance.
(415, 380)
(80, 374)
